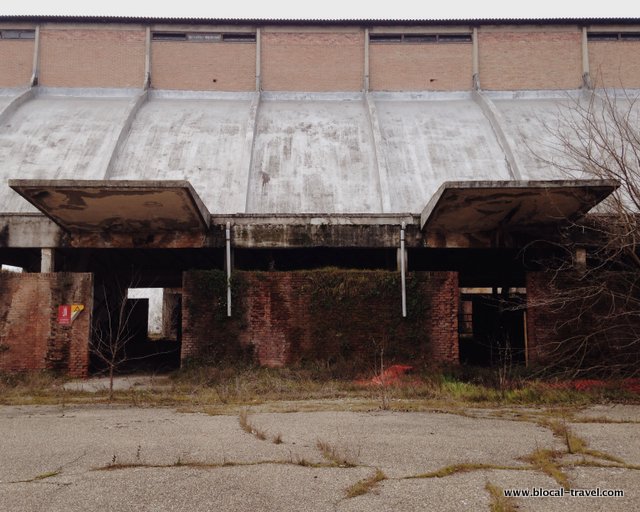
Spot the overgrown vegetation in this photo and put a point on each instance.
(228, 388)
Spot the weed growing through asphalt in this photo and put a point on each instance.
(500, 503)
(340, 456)
(366, 485)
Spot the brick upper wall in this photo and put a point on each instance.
(516, 60)
(615, 63)
(420, 67)
(30, 336)
(16, 62)
(92, 58)
(315, 62)
(203, 66)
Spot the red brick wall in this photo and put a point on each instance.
(615, 63)
(513, 59)
(420, 67)
(289, 317)
(71, 57)
(312, 61)
(203, 66)
(30, 336)
(16, 62)
(587, 323)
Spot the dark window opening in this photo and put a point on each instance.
(420, 38)
(205, 37)
(17, 34)
(239, 38)
(613, 36)
(317, 257)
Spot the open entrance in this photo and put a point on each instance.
(492, 327)
(135, 329)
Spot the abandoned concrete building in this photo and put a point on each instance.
(287, 191)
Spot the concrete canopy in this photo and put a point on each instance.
(120, 206)
(472, 207)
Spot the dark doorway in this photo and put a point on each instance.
(492, 329)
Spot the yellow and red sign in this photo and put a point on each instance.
(67, 313)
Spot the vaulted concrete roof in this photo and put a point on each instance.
(283, 153)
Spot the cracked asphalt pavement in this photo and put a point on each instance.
(97, 458)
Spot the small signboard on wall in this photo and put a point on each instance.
(67, 313)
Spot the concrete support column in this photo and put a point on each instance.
(147, 60)
(258, 60)
(366, 60)
(580, 259)
(586, 73)
(476, 60)
(36, 59)
(47, 261)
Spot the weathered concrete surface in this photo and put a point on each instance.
(533, 123)
(313, 156)
(196, 138)
(58, 137)
(428, 142)
(51, 456)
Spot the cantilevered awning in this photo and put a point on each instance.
(471, 207)
(117, 206)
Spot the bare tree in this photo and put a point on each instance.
(593, 287)
(112, 331)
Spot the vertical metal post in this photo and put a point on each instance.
(403, 272)
(228, 239)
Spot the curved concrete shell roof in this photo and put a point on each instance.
(279, 152)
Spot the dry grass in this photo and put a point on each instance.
(574, 443)
(224, 389)
(500, 503)
(367, 485)
(547, 461)
(340, 456)
(249, 427)
(465, 467)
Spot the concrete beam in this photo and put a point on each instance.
(136, 104)
(380, 157)
(15, 104)
(498, 125)
(246, 162)
(29, 230)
